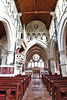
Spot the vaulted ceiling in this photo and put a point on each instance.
(36, 10)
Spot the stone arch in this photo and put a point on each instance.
(33, 42)
(36, 48)
(3, 43)
(10, 30)
(62, 25)
(62, 43)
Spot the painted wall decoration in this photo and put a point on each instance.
(35, 26)
(6, 70)
(36, 30)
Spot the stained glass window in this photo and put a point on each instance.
(36, 57)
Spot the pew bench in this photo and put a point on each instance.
(45, 78)
(12, 82)
(52, 82)
(59, 90)
(5, 95)
(14, 89)
(54, 78)
(23, 80)
(16, 79)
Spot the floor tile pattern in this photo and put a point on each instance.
(36, 91)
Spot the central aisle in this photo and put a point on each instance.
(36, 91)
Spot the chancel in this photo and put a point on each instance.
(33, 49)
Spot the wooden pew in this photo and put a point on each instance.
(61, 92)
(54, 88)
(28, 77)
(48, 78)
(5, 95)
(53, 78)
(25, 79)
(8, 93)
(14, 89)
(12, 82)
(65, 98)
(24, 84)
(51, 83)
(16, 79)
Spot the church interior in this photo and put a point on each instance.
(33, 49)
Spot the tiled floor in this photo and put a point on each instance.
(35, 75)
(36, 91)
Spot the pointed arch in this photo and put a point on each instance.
(36, 47)
(10, 35)
(62, 43)
(62, 27)
(41, 44)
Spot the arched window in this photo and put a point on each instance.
(36, 57)
(36, 61)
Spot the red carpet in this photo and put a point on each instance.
(36, 91)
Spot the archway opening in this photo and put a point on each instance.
(36, 60)
(3, 44)
(66, 39)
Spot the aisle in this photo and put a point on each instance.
(36, 91)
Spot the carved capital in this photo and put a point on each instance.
(53, 14)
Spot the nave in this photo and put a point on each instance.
(23, 87)
(33, 49)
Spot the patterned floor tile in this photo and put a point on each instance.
(36, 91)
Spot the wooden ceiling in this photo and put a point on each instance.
(2, 30)
(36, 10)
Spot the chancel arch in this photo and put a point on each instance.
(36, 55)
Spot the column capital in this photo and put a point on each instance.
(51, 59)
(10, 52)
(53, 14)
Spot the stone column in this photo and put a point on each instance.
(63, 64)
(10, 56)
(53, 66)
